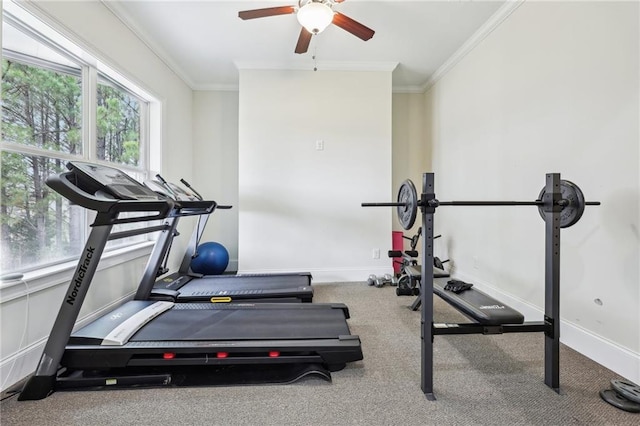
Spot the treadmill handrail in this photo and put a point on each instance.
(193, 208)
(163, 243)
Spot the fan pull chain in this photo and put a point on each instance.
(315, 61)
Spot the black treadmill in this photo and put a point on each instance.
(186, 286)
(147, 342)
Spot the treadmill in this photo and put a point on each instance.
(147, 342)
(187, 286)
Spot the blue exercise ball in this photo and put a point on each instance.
(212, 259)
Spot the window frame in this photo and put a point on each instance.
(92, 72)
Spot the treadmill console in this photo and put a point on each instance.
(110, 182)
(170, 190)
(182, 193)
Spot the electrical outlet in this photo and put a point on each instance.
(375, 253)
(319, 145)
(476, 265)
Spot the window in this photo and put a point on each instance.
(118, 122)
(55, 108)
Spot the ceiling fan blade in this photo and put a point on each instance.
(303, 41)
(263, 13)
(354, 27)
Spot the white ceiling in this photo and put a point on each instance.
(205, 42)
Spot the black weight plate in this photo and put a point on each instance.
(438, 263)
(414, 241)
(408, 212)
(572, 212)
(615, 399)
(629, 390)
(403, 281)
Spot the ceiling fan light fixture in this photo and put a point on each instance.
(315, 17)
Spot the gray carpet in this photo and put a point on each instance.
(479, 380)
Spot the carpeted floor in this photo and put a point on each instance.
(479, 380)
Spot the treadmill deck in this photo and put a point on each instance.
(219, 334)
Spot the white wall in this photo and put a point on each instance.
(411, 149)
(92, 25)
(215, 156)
(553, 89)
(300, 207)
(215, 164)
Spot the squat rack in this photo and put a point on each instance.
(560, 204)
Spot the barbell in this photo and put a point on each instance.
(571, 203)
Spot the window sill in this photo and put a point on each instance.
(41, 279)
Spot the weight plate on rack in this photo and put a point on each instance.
(572, 212)
(407, 212)
(438, 263)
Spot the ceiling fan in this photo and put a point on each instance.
(314, 16)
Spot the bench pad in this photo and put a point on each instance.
(478, 306)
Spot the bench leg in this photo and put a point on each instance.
(416, 304)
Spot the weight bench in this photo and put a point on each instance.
(560, 204)
(478, 306)
(474, 304)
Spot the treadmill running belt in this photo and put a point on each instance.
(189, 324)
(207, 285)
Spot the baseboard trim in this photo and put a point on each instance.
(20, 365)
(15, 368)
(616, 358)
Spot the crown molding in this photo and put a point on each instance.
(236, 88)
(121, 14)
(487, 28)
(408, 89)
(320, 65)
(217, 87)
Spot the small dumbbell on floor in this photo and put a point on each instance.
(380, 281)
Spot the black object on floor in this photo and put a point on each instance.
(221, 375)
(618, 401)
(629, 390)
